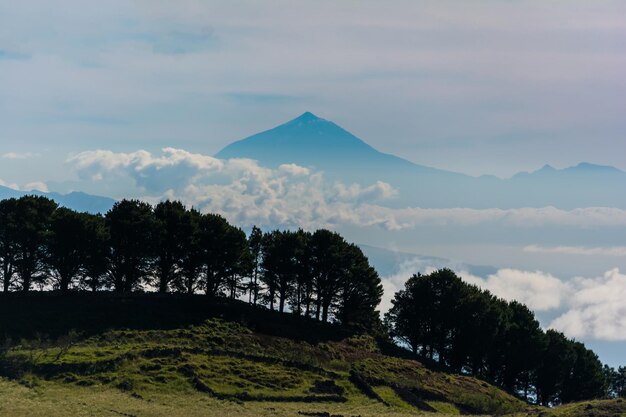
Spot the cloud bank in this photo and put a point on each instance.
(240, 189)
(617, 251)
(291, 195)
(587, 307)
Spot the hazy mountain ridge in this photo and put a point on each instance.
(75, 200)
(325, 147)
(317, 143)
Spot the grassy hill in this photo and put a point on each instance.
(150, 355)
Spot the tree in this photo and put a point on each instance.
(586, 378)
(223, 247)
(187, 280)
(168, 239)
(286, 249)
(97, 252)
(255, 246)
(273, 267)
(426, 314)
(327, 252)
(8, 241)
(619, 382)
(68, 245)
(557, 360)
(523, 343)
(361, 291)
(468, 329)
(131, 226)
(302, 294)
(481, 318)
(32, 216)
(241, 260)
(408, 318)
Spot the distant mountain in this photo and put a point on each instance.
(317, 143)
(311, 141)
(75, 200)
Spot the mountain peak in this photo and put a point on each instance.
(586, 166)
(306, 118)
(309, 140)
(546, 168)
(307, 115)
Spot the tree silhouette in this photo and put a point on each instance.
(33, 215)
(68, 245)
(97, 253)
(255, 242)
(223, 247)
(326, 264)
(187, 280)
(361, 290)
(168, 242)
(302, 294)
(9, 228)
(468, 329)
(131, 228)
(586, 378)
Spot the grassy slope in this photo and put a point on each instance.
(222, 367)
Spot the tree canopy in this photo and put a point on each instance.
(170, 248)
(442, 318)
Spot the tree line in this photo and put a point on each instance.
(440, 317)
(170, 248)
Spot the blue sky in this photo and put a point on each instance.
(482, 87)
(486, 87)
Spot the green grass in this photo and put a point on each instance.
(223, 367)
(224, 360)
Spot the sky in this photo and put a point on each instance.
(485, 87)
(131, 98)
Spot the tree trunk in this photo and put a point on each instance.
(7, 274)
(26, 283)
(254, 287)
(325, 313)
(64, 284)
(298, 301)
(163, 283)
(318, 307)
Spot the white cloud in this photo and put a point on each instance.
(9, 185)
(241, 189)
(618, 251)
(248, 193)
(31, 186)
(538, 290)
(597, 308)
(36, 186)
(17, 155)
(294, 169)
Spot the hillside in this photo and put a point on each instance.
(149, 355)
